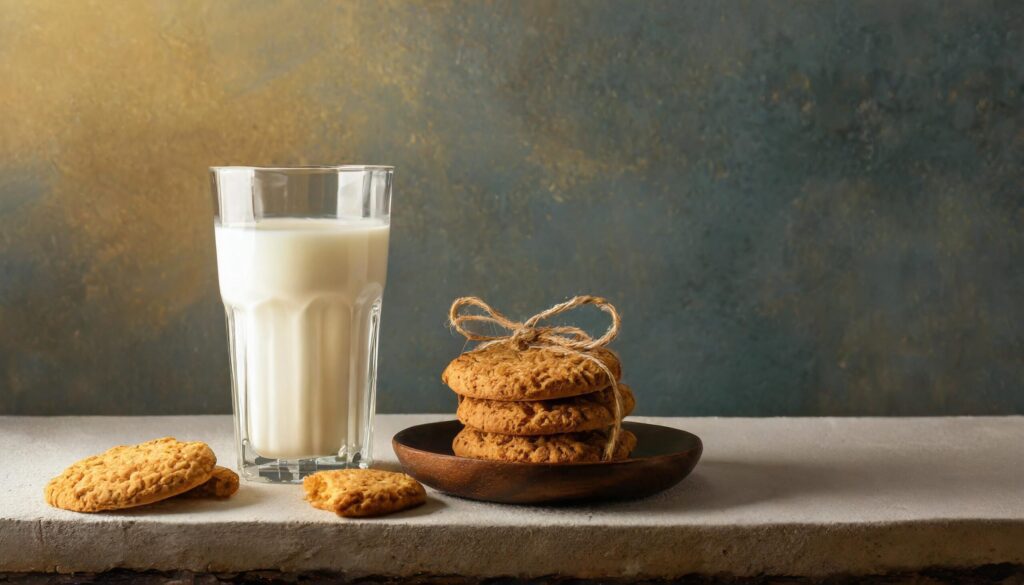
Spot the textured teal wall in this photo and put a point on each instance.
(799, 207)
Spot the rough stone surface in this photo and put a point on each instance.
(986, 575)
(772, 496)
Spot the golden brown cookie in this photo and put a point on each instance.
(588, 412)
(131, 475)
(499, 372)
(222, 484)
(363, 492)
(586, 447)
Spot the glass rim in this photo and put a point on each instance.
(311, 168)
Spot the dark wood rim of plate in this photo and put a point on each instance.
(663, 457)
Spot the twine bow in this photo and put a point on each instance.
(560, 338)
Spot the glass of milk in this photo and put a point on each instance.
(302, 258)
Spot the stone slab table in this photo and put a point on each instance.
(779, 496)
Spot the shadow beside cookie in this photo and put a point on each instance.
(184, 505)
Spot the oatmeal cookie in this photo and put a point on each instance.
(131, 475)
(499, 372)
(363, 492)
(588, 412)
(586, 447)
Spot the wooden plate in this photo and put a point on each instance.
(663, 457)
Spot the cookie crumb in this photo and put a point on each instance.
(357, 493)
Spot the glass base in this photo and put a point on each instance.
(252, 467)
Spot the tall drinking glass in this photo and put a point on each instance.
(301, 259)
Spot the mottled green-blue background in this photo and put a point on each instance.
(800, 208)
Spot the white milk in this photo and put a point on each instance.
(303, 299)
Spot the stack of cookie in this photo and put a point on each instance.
(537, 405)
